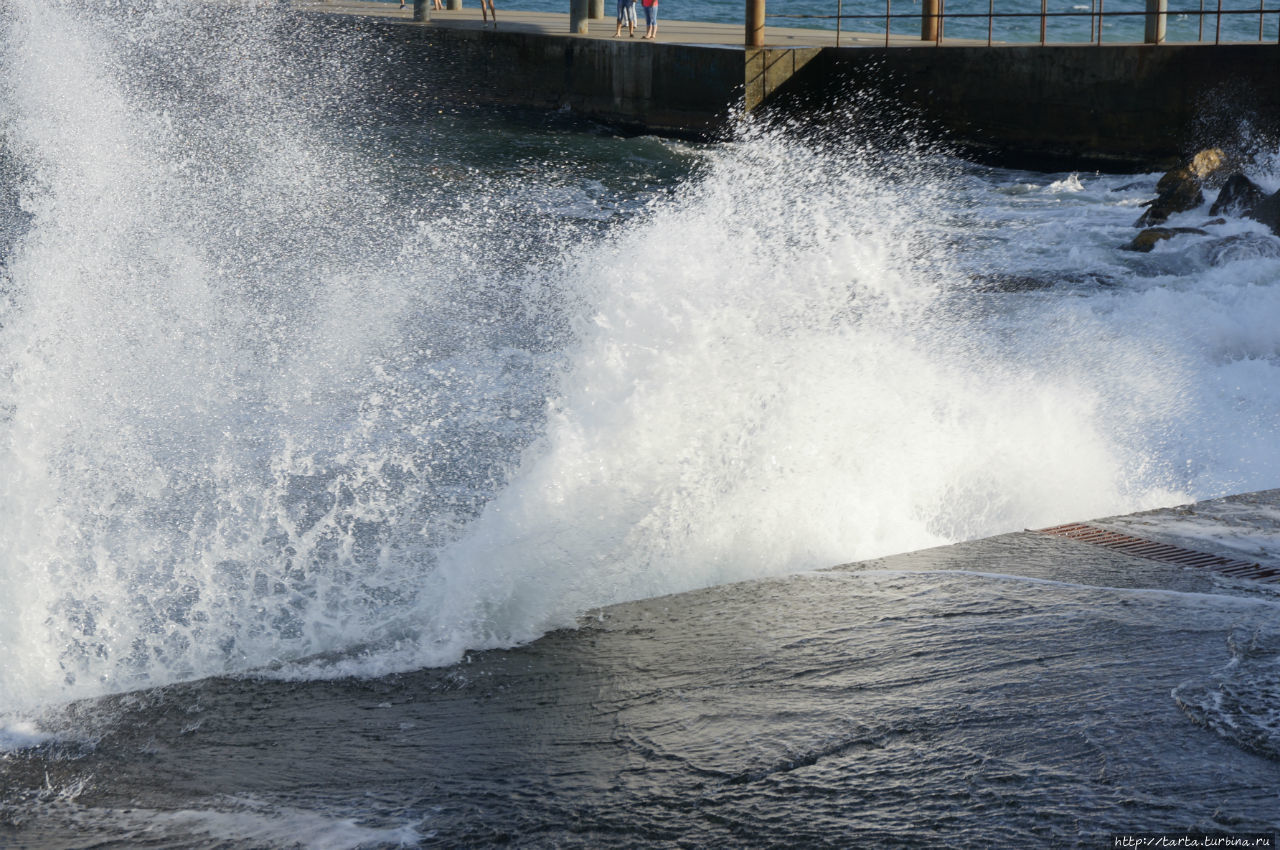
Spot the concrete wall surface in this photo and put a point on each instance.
(675, 89)
(1110, 105)
(770, 69)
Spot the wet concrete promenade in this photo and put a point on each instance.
(1023, 690)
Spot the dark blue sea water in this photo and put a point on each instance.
(315, 403)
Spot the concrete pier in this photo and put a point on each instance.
(1111, 106)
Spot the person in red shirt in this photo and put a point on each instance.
(650, 17)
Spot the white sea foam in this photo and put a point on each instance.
(278, 826)
(20, 735)
(776, 385)
(242, 821)
(1070, 183)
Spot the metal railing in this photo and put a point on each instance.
(933, 17)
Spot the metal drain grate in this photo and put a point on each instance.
(1163, 552)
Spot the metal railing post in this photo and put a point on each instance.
(579, 11)
(755, 23)
(1157, 12)
(929, 20)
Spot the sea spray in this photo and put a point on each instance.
(244, 396)
(784, 374)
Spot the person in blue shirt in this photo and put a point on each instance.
(627, 15)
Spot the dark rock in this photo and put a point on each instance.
(1267, 211)
(1238, 197)
(1179, 190)
(1147, 239)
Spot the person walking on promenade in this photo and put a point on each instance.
(492, 12)
(650, 18)
(627, 15)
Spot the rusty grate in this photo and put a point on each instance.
(1163, 552)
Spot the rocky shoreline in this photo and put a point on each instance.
(1183, 189)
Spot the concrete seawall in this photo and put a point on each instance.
(1111, 106)
(672, 89)
(1064, 106)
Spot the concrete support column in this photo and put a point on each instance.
(596, 10)
(1157, 13)
(454, 5)
(579, 11)
(420, 12)
(755, 23)
(929, 19)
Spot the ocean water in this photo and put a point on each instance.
(309, 397)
